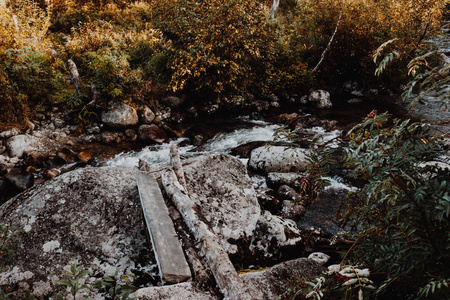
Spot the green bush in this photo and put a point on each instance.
(30, 79)
(402, 212)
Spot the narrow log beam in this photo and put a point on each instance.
(169, 254)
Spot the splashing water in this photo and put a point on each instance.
(221, 143)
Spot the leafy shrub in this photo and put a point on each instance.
(403, 210)
(218, 46)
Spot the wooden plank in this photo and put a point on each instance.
(169, 254)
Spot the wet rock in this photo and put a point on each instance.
(120, 115)
(152, 133)
(173, 101)
(162, 115)
(287, 192)
(59, 123)
(50, 174)
(277, 179)
(93, 129)
(355, 101)
(131, 134)
(2, 149)
(109, 137)
(65, 156)
(210, 108)
(17, 145)
(243, 151)
(146, 115)
(90, 216)
(292, 210)
(275, 236)
(198, 140)
(321, 99)
(84, 156)
(9, 133)
(220, 186)
(278, 159)
(287, 118)
(319, 257)
(271, 283)
(268, 200)
(22, 180)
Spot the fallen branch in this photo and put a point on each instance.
(217, 259)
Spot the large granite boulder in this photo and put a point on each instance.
(219, 184)
(90, 216)
(120, 115)
(283, 159)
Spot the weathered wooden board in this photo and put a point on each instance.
(169, 254)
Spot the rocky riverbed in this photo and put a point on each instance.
(73, 210)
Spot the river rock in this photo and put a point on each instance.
(9, 133)
(278, 159)
(263, 285)
(89, 216)
(152, 133)
(22, 180)
(321, 99)
(173, 101)
(277, 179)
(287, 192)
(50, 174)
(18, 144)
(146, 115)
(120, 115)
(292, 210)
(109, 137)
(268, 201)
(220, 186)
(269, 284)
(84, 156)
(275, 236)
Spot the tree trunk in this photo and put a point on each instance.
(76, 77)
(223, 270)
(274, 8)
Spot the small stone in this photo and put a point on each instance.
(120, 115)
(50, 174)
(152, 133)
(288, 193)
(109, 137)
(146, 115)
(20, 179)
(173, 101)
(319, 257)
(292, 210)
(321, 98)
(9, 133)
(65, 156)
(84, 156)
(198, 140)
(18, 144)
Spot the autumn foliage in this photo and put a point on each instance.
(140, 51)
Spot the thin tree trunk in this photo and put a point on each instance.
(76, 77)
(274, 8)
(330, 41)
